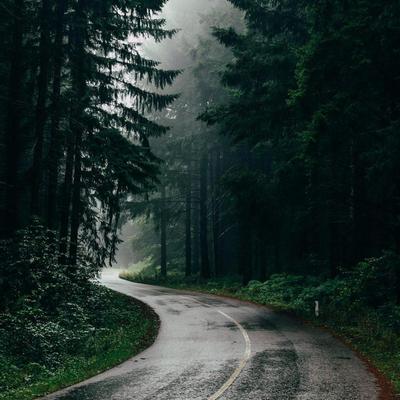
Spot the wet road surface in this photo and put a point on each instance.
(213, 348)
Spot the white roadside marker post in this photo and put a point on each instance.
(317, 309)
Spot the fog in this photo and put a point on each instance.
(186, 16)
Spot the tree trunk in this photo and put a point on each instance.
(216, 214)
(69, 222)
(362, 246)
(163, 229)
(205, 262)
(41, 112)
(264, 272)
(76, 200)
(196, 238)
(188, 224)
(55, 148)
(397, 265)
(66, 198)
(78, 125)
(245, 256)
(13, 123)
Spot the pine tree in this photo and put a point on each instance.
(90, 130)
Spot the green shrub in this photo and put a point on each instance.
(57, 325)
(41, 352)
(30, 268)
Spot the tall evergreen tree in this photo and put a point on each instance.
(90, 131)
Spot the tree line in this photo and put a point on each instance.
(297, 168)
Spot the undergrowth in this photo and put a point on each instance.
(41, 354)
(57, 326)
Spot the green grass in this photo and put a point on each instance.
(128, 327)
(374, 333)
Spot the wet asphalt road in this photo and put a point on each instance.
(212, 348)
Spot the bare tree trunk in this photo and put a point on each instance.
(216, 214)
(188, 225)
(163, 229)
(41, 112)
(264, 271)
(76, 200)
(196, 238)
(55, 148)
(205, 262)
(362, 245)
(66, 198)
(13, 123)
(246, 255)
(77, 125)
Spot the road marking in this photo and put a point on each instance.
(243, 361)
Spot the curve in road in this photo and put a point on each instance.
(243, 362)
(213, 348)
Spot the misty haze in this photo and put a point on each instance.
(199, 200)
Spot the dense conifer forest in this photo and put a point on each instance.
(261, 158)
(284, 144)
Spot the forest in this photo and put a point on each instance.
(254, 152)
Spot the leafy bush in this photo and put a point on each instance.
(30, 268)
(37, 324)
(40, 350)
(280, 289)
(55, 321)
(367, 288)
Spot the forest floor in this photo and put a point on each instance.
(378, 346)
(127, 327)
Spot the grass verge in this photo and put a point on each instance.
(122, 328)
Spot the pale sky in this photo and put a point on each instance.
(184, 15)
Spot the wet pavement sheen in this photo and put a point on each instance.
(198, 349)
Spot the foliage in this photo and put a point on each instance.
(148, 271)
(32, 274)
(144, 268)
(57, 325)
(369, 286)
(315, 102)
(177, 280)
(42, 352)
(77, 116)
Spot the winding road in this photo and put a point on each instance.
(213, 348)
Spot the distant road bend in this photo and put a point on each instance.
(213, 348)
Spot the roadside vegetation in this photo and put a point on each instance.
(59, 327)
(359, 304)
